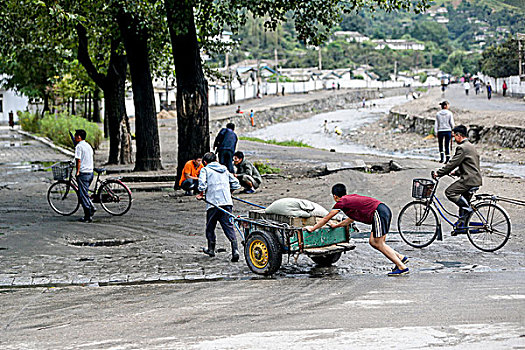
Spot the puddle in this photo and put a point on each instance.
(102, 243)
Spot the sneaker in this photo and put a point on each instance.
(251, 190)
(85, 220)
(188, 193)
(398, 272)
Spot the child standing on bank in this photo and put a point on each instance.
(369, 211)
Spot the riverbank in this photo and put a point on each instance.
(383, 136)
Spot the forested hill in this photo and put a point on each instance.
(454, 33)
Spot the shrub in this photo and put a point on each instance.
(57, 128)
(266, 168)
(28, 122)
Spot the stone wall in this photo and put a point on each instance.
(274, 115)
(502, 135)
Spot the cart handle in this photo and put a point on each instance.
(250, 203)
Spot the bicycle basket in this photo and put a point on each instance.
(422, 188)
(60, 171)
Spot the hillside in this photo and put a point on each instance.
(453, 33)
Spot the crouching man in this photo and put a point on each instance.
(369, 211)
(216, 182)
(247, 174)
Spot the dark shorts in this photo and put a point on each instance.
(381, 223)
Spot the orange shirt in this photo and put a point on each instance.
(190, 169)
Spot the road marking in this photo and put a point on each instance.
(507, 297)
(375, 303)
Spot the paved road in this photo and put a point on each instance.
(465, 311)
(158, 291)
(456, 95)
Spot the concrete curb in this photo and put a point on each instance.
(47, 143)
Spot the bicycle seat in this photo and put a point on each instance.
(99, 170)
(473, 189)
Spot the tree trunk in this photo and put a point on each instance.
(46, 104)
(96, 105)
(73, 112)
(146, 129)
(192, 87)
(113, 85)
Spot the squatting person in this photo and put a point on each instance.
(369, 211)
(466, 159)
(189, 179)
(247, 173)
(216, 182)
(84, 173)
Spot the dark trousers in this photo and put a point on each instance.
(212, 216)
(458, 189)
(84, 181)
(444, 140)
(189, 185)
(226, 159)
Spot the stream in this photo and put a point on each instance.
(316, 133)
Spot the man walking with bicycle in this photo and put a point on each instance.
(84, 173)
(466, 160)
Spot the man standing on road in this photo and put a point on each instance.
(466, 85)
(84, 173)
(225, 143)
(504, 88)
(247, 173)
(489, 91)
(466, 159)
(368, 211)
(217, 183)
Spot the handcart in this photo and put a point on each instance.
(267, 237)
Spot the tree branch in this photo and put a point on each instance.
(85, 59)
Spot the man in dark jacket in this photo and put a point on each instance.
(247, 173)
(225, 143)
(466, 159)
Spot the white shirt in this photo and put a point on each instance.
(466, 85)
(84, 152)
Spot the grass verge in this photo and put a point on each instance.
(290, 143)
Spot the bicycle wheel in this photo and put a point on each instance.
(418, 226)
(488, 227)
(63, 198)
(115, 197)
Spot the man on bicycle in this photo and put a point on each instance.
(466, 160)
(84, 173)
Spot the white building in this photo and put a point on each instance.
(398, 44)
(10, 101)
(352, 36)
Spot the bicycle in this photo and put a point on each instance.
(488, 227)
(112, 194)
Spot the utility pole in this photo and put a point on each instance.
(276, 72)
(521, 55)
(320, 59)
(395, 70)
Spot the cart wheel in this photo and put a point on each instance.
(326, 260)
(262, 253)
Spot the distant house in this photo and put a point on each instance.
(10, 101)
(442, 10)
(352, 36)
(441, 19)
(398, 44)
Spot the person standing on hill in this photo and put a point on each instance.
(225, 143)
(443, 129)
